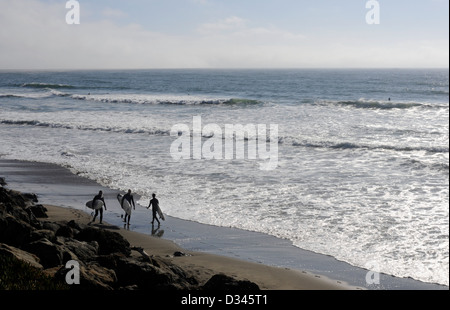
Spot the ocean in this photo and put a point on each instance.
(353, 164)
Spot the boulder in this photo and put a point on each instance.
(98, 277)
(65, 231)
(14, 198)
(221, 282)
(108, 241)
(14, 231)
(21, 255)
(92, 277)
(16, 205)
(50, 254)
(39, 211)
(51, 226)
(77, 227)
(30, 197)
(41, 234)
(146, 275)
(84, 251)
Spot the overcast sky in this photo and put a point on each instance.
(135, 34)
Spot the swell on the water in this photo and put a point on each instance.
(281, 140)
(164, 100)
(350, 145)
(86, 128)
(46, 85)
(27, 96)
(379, 105)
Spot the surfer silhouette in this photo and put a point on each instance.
(154, 203)
(130, 200)
(99, 196)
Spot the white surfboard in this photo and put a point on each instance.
(161, 215)
(98, 204)
(125, 206)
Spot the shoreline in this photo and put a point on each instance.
(204, 265)
(57, 186)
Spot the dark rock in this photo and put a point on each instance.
(14, 231)
(21, 255)
(108, 241)
(13, 198)
(144, 275)
(14, 211)
(39, 234)
(92, 277)
(84, 251)
(77, 227)
(221, 282)
(2, 182)
(65, 231)
(51, 226)
(39, 211)
(131, 272)
(30, 197)
(49, 254)
(95, 276)
(15, 204)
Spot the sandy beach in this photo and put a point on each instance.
(203, 266)
(255, 257)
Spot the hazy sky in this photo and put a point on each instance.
(116, 34)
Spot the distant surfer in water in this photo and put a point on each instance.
(99, 196)
(130, 200)
(154, 203)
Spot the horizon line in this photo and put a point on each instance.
(219, 68)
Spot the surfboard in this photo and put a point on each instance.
(98, 204)
(161, 215)
(125, 206)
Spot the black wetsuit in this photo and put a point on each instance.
(129, 198)
(155, 205)
(99, 197)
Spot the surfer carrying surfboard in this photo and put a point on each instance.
(154, 203)
(128, 197)
(99, 197)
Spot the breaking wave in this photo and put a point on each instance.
(164, 99)
(349, 145)
(380, 105)
(47, 85)
(36, 123)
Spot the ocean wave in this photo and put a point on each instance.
(163, 100)
(36, 123)
(380, 105)
(350, 145)
(128, 130)
(46, 85)
(441, 167)
(27, 96)
(57, 90)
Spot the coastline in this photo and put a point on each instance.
(203, 265)
(272, 263)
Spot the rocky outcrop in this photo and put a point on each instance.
(105, 258)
